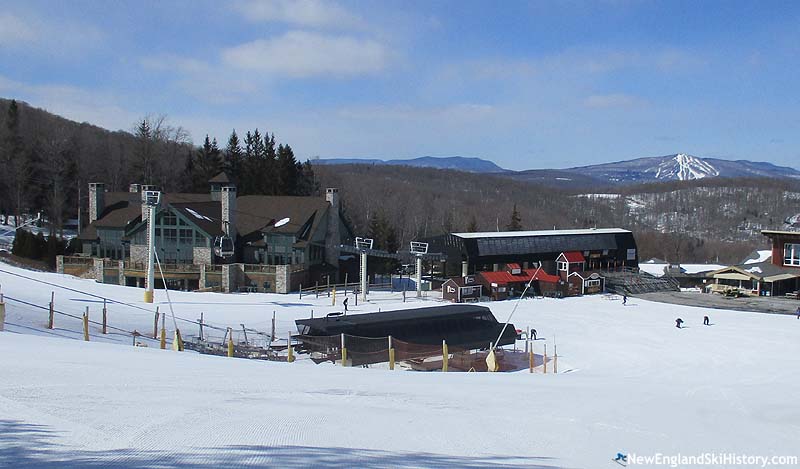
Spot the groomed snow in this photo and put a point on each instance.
(629, 381)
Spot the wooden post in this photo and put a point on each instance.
(545, 359)
(155, 325)
(230, 342)
(391, 354)
(290, 351)
(2, 313)
(301, 291)
(344, 352)
(52, 319)
(333, 303)
(163, 332)
(530, 360)
(177, 341)
(105, 317)
(345, 284)
(201, 326)
(555, 358)
(328, 285)
(272, 335)
(445, 356)
(86, 325)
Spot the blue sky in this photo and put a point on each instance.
(524, 84)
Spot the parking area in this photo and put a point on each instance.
(762, 304)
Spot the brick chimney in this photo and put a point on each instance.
(97, 200)
(228, 205)
(332, 235)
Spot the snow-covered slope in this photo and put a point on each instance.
(628, 381)
(683, 167)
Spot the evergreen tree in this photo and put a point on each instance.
(17, 164)
(516, 222)
(233, 157)
(207, 164)
(287, 171)
(144, 153)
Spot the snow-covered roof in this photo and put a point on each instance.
(513, 234)
(756, 257)
(657, 270)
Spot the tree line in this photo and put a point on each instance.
(48, 162)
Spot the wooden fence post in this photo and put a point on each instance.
(2, 313)
(155, 325)
(344, 352)
(555, 358)
(333, 303)
(105, 317)
(445, 356)
(86, 325)
(301, 291)
(290, 351)
(391, 354)
(51, 321)
(163, 332)
(230, 342)
(272, 335)
(531, 355)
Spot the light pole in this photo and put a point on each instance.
(151, 200)
(363, 244)
(418, 249)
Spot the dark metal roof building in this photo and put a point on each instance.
(602, 247)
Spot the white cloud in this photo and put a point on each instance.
(13, 30)
(71, 102)
(614, 100)
(308, 13)
(59, 38)
(304, 54)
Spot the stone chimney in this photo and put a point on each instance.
(97, 200)
(134, 188)
(228, 205)
(332, 235)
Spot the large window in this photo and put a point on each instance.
(791, 254)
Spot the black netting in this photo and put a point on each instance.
(366, 350)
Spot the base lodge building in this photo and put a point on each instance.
(278, 242)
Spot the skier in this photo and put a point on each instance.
(344, 303)
(624, 300)
(533, 333)
(798, 312)
(678, 323)
(621, 459)
(705, 320)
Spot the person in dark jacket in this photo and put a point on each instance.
(678, 323)
(705, 321)
(344, 303)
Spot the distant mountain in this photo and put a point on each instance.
(680, 167)
(460, 163)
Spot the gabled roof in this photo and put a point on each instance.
(762, 271)
(504, 277)
(255, 213)
(221, 178)
(573, 257)
(513, 266)
(460, 282)
(205, 215)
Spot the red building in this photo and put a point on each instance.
(512, 281)
(461, 289)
